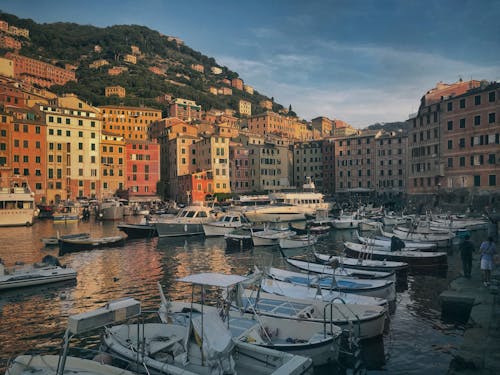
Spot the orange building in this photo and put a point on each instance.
(38, 72)
(9, 42)
(197, 186)
(28, 151)
(129, 122)
(184, 109)
(171, 127)
(237, 83)
(142, 168)
(115, 90)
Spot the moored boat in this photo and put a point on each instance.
(144, 229)
(238, 240)
(188, 222)
(225, 224)
(387, 243)
(363, 264)
(17, 203)
(49, 270)
(419, 234)
(70, 245)
(298, 241)
(414, 259)
(54, 240)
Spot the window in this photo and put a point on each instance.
(491, 96)
(491, 159)
(477, 180)
(450, 125)
(450, 106)
(450, 162)
(462, 161)
(462, 103)
(450, 144)
(68, 121)
(477, 100)
(477, 120)
(80, 146)
(492, 180)
(80, 122)
(491, 118)
(462, 123)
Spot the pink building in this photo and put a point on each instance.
(143, 168)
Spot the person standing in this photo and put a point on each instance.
(466, 250)
(488, 250)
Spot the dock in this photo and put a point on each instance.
(479, 352)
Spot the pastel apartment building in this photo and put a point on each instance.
(73, 152)
(131, 59)
(9, 43)
(239, 168)
(117, 70)
(184, 109)
(323, 124)
(98, 63)
(245, 108)
(212, 154)
(142, 168)
(130, 122)
(38, 72)
(308, 163)
(266, 104)
(198, 67)
(113, 167)
(248, 89)
(237, 84)
(216, 70)
(116, 91)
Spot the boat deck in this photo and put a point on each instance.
(273, 306)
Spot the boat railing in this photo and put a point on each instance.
(331, 305)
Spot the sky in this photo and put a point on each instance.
(361, 61)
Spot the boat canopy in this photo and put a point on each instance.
(213, 279)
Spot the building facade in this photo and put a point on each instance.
(129, 122)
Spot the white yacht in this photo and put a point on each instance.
(225, 224)
(188, 222)
(17, 203)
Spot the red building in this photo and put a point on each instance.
(195, 186)
(142, 168)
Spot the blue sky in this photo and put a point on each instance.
(362, 61)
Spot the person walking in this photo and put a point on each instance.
(488, 250)
(466, 250)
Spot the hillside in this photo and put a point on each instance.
(389, 126)
(69, 43)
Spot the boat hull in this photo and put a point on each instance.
(138, 230)
(75, 245)
(238, 242)
(51, 275)
(179, 229)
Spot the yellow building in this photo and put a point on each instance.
(6, 67)
(113, 160)
(98, 63)
(115, 90)
(245, 108)
(73, 155)
(212, 154)
(130, 59)
(129, 122)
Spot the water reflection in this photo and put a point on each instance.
(36, 317)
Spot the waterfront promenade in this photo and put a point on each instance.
(480, 350)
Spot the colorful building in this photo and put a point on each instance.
(142, 168)
(129, 122)
(113, 167)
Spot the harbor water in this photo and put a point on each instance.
(34, 319)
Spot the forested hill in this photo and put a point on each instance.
(69, 43)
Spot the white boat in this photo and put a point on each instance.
(45, 272)
(368, 225)
(274, 213)
(229, 343)
(322, 217)
(225, 224)
(361, 321)
(61, 364)
(298, 241)
(270, 237)
(308, 201)
(17, 203)
(415, 259)
(391, 218)
(283, 288)
(440, 238)
(373, 288)
(346, 221)
(362, 264)
(111, 209)
(386, 242)
(455, 224)
(340, 271)
(421, 246)
(188, 222)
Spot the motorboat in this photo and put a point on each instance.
(415, 259)
(69, 213)
(270, 237)
(71, 245)
(17, 203)
(418, 245)
(374, 288)
(420, 234)
(225, 224)
(49, 270)
(202, 343)
(340, 271)
(347, 221)
(387, 242)
(188, 222)
(283, 288)
(363, 264)
(144, 229)
(391, 218)
(274, 213)
(113, 312)
(308, 339)
(298, 241)
(111, 209)
(361, 321)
